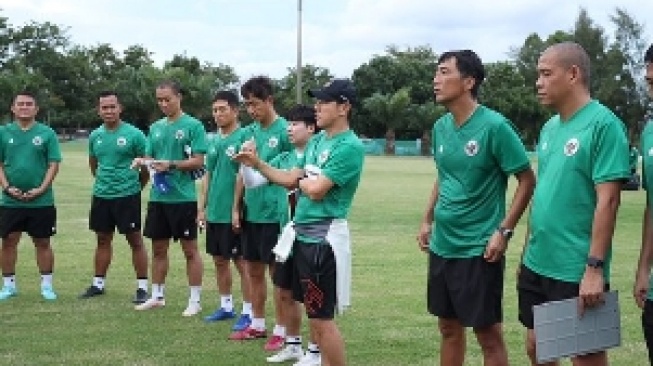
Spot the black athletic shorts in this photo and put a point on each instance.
(171, 220)
(258, 241)
(316, 270)
(647, 327)
(37, 222)
(123, 213)
(286, 277)
(467, 289)
(222, 241)
(535, 289)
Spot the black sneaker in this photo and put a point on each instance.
(141, 296)
(92, 291)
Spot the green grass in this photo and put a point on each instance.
(387, 325)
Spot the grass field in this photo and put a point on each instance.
(387, 324)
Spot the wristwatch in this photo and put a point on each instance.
(172, 165)
(505, 232)
(594, 262)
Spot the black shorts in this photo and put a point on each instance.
(37, 222)
(316, 270)
(286, 277)
(123, 213)
(467, 289)
(171, 220)
(647, 327)
(258, 241)
(535, 289)
(222, 241)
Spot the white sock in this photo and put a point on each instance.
(313, 347)
(98, 282)
(247, 308)
(195, 294)
(9, 281)
(279, 330)
(142, 283)
(46, 279)
(258, 323)
(227, 302)
(294, 340)
(157, 291)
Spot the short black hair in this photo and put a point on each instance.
(26, 93)
(469, 65)
(305, 114)
(172, 85)
(258, 87)
(228, 96)
(107, 93)
(648, 56)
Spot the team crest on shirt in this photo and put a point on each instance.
(571, 147)
(11, 140)
(471, 148)
(121, 141)
(440, 149)
(324, 155)
(273, 142)
(179, 134)
(650, 152)
(37, 140)
(230, 151)
(544, 145)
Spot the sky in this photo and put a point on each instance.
(260, 36)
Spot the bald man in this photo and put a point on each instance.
(583, 160)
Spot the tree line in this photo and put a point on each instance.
(395, 88)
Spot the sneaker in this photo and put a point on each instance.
(274, 343)
(192, 309)
(310, 359)
(7, 292)
(242, 323)
(288, 353)
(247, 334)
(140, 297)
(220, 314)
(48, 293)
(91, 291)
(151, 303)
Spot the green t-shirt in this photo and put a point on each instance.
(222, 171)
(647, 174)
(170, 141)
(633, 157)
(114, 151)
(262, 203)
(26, 156)
(287, 160)
(339, 158)
(573, 157)
(474, 162)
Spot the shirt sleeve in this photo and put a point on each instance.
(141, 144)
(211, 158)
(610, 152)
(198, 140)
(54, 151)
(508, 149)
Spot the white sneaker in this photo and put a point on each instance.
(288, 353)
(151, 303)
(192, 309)
(310, 359)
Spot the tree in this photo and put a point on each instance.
(391, 111)
(285, 94)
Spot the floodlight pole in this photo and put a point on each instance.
(299, 52)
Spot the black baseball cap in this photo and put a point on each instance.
(336, 90)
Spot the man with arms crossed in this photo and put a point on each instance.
(582, 163)
(172, 213)
(215, 205)
(262, 216)
(332, 166)
(116, 193)
(643, 291)
(29, 162)
(475, 149)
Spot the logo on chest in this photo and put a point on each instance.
(324, 155)
(571, 147)
(37, 141)
(230, 151)
(179, 134)
(273, 142)
(650, 152)
(471, 148)
(121, 141)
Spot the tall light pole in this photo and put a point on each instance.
(299, 52)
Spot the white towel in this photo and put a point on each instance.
(339, 239)
(251, 177)
(284, 244)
